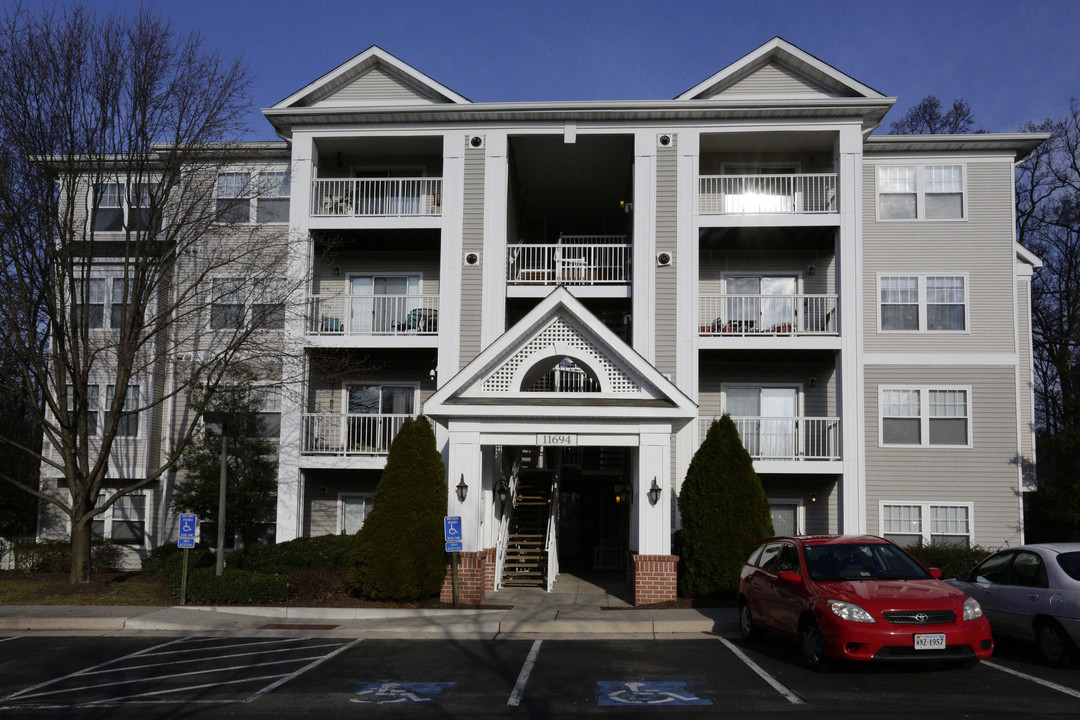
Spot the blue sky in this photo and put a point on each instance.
(1013, 61)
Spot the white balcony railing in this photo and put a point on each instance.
(338, 434)
(786, 438)
(767, 315)
(575, 260)
(767, 194)
(373, 315)
(376, 197)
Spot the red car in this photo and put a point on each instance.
(858, 598)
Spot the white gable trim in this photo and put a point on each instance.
(784, 52)
(360, 64)
(654, 396)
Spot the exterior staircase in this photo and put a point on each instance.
(526, 562)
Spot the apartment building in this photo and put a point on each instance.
(572, 291)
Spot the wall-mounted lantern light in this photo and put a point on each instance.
(462, 489)
(623, 494)
(654, 492)
(502, 490)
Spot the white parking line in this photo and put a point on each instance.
(523, 676)
(788, 695)
(301, 671)
(1032, 678)
(16, 637)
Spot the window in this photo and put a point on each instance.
(92, 295)
(93, 408)
(925, 416)
(920, 192)
(115, 210)
(915, 524)
(267, 402)
(913, 303)
(353, 509)
(253, 196)
(129, 422)
(234, 302)
(376, 413)
(124, 522)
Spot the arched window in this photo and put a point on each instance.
(562, 376)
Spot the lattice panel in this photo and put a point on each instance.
(564, 334)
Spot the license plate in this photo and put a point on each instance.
(930, 641)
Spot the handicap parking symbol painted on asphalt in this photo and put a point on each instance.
(646, 693)
(382, 693)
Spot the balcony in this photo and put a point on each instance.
(802, 194)
(373, 315)
(574, 260)
(398, 197)
(786, 439)
(772, 315)
(344, 435)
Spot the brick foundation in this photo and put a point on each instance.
(654, 578)
(489, 570)
(472, 576)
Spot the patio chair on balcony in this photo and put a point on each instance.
(419, 320)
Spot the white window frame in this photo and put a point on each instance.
(800, 511)
(125, 206)
(248, 295)
(109, 515)
(921, 278)
(255, 192)
(924, 416)
(920, 190)
(101, 394)
(276, 390)
(341, 507)
(925, 521)
(380, 384)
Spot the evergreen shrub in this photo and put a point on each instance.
(399, 553)
(725, 514)
(54, 556)
(952, 560)
(326, 552)
(235, 587)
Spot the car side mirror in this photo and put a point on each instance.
(936, 573)
(789, 576)
(964, 577)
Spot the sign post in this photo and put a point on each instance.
(453, 539)
(188, 523)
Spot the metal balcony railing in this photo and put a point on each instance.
(376, 197)
(373, 315)
(767, 315)
(343, 434)
(767, 194)
(574, 260)
(786, 438)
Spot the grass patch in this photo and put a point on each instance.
(103, 589)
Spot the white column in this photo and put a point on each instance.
(290, 509)
(465, 463)
(644, 262)
(496, 187)
(688, 267)
(653, 521)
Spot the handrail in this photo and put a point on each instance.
(801, 314)
(373, 314)
(504, 520)
(579, 260)
(550, 545)
(799, 194)
(349, 434)
(786, 438)
(376, 197)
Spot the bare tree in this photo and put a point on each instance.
(927, 118)
(115, 133)
(1048, 223)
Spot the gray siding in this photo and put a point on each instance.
(775, 79)
(666, 312)
(818, 401)
(321, 507)
(981, 246)
(375, 86)
(325, 282)
(984, 473)
(472, 240)
(1027, 381)
(769, 259)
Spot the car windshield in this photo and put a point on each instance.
(861, 561)
(1070, 563)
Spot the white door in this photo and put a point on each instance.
(765, 418)
(381, 304)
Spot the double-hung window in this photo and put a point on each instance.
(118, 206)
(923, 303)
(124, 522)
(100, 301)
(266, 400)
(911, 524)
(353, 509)
(93, 408)
(925, 416)
(253, 196)
(920, 192)
(129, 420)
(234, 302)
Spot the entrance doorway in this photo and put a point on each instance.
(594, 511)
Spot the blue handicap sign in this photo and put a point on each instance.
(454, 547)
(188, 523)
(186, 542)
(384, 693)
(646, 693)
(452, 528)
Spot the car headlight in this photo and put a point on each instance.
(972, 609)
(849, 611)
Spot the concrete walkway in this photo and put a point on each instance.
(576, 607)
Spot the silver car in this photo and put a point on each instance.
(1031, 592)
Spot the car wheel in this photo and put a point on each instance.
(1053, 644)
(812, 645)
(749, 630)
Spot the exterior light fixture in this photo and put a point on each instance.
(654, 492)
(622, 494)
(462, 489)
(502, 490)
(813, 497)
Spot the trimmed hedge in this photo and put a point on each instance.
(951, 560)
(235, 587)
(325, 552)
(54, 556)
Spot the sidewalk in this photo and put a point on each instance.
(575, 608)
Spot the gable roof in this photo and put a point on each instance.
(560, 326)
(372, 78)
(779, 70)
